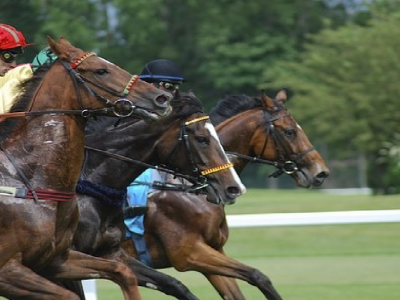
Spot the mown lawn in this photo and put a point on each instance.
(355, 262)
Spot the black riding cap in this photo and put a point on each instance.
(162, 70)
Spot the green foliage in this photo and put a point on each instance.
(346, 85)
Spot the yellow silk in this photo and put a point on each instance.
(9, 85)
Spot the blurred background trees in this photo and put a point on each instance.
(340, 59)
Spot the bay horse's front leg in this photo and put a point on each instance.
(80, 266)
(207, 260)
(18, 282)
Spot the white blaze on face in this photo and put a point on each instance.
(214, 134)
(106, 61)
(298, 126)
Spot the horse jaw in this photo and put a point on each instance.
(305, 178)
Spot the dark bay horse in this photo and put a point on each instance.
(184, 141)
(42, 151)
(187, 232)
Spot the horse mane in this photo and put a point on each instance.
(232, 105)
(28, 89)
(99, 123)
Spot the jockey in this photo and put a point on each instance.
(163, 74)
(167, 76)
(12, 43)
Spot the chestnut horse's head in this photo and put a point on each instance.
(263, 131)
(99, 83)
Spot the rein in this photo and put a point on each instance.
(148, 166)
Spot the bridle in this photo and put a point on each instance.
(184, 139)
(123, 107)
(287, 163)
(119, 107)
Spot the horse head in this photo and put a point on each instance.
(294, 153)
(269, 134)
(108, 84)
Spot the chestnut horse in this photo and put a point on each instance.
(42, 151)
(184, 141)
(187, 232)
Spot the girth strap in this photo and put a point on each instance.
(41, 194)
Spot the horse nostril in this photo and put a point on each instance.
(233, 191)
(322, 175)
(162, 99)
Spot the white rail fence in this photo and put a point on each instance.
(315, 218)
(292, 219)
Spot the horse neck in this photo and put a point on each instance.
(239, 134)
(138, 142)
(48, 149)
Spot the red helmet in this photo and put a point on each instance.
(11, 38)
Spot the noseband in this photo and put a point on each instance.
(184, 138)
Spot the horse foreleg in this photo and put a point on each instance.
(153, 279)
(207, 260)
(83, 266)
(20, 282)
(226, 287)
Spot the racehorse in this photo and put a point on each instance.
(42, 151)
(185, 231)
(184, 142)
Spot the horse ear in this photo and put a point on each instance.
(58, 48)
(282, 96)
(268, 102)
(191, 94)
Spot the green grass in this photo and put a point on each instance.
(358, 261)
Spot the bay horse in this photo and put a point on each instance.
(42, 151)
(185, 231)
(183, 141)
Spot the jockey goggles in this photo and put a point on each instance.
(168, 85)
(8, 56)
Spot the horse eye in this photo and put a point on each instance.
(201, 139)
(101, 72)
(290, 133)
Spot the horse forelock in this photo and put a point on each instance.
(185, 105)
(232, 105)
